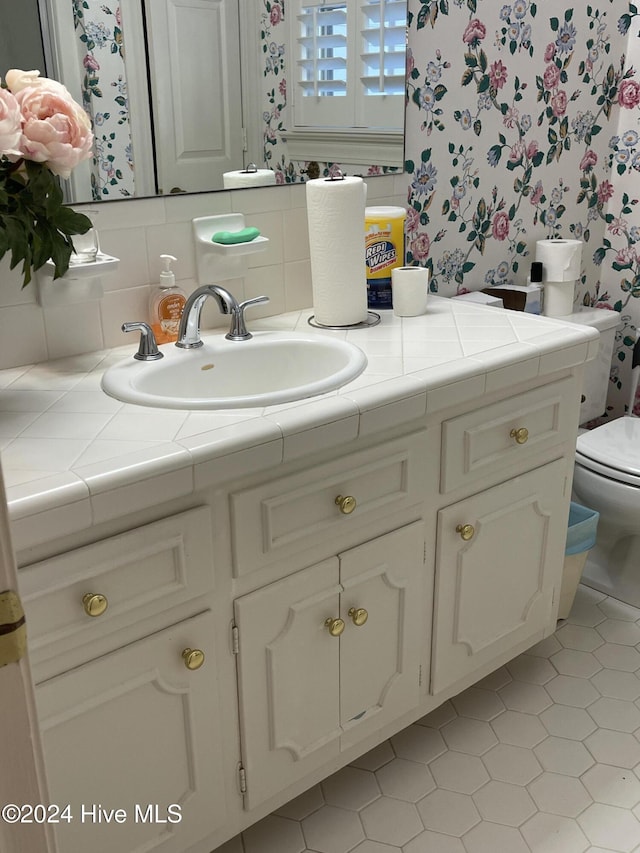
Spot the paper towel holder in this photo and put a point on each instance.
(372, 320)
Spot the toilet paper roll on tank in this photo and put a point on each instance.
(561, 267)
(336, 213)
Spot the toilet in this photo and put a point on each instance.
(607, 474)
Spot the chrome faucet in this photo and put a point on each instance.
(189, 330)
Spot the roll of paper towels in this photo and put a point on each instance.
(335, 210)
(561, 259)
(409, 290)
(248, 178)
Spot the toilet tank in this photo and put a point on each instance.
(596, 377)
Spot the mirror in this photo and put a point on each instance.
(138, 65)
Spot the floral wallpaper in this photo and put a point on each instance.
(104, 96)
(522, 122)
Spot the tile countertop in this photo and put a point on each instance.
(73, 457)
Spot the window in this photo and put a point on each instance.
(347, 71)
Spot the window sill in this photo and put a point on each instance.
(352, 146)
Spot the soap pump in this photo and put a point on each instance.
(167, 304)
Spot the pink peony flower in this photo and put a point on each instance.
(559, 103)
(420, 247)
(56, 130)
(474, 32)
(500, 227)
(10, 125)
(589, 159)
(91, 63)
(551, 76)
(549, 52)
(629, 94)
(625, 256)
(498, 74)
(275, 15)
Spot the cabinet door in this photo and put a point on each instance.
(380, 659)
(137, 731)
(288, 670)
(495, 589)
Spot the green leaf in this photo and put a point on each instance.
(554, 23)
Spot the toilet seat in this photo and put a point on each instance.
(612, 450)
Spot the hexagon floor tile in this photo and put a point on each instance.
(542, 756)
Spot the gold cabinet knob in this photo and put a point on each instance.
(358, 615)
(94, 604)
(335, 626)
(193, 658)
(347, 504)
(466, 531)
(521, 435)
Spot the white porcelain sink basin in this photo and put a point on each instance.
(272, 367)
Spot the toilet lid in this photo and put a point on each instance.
(614, 445)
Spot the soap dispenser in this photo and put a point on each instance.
(166, 305)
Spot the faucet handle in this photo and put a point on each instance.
(148, 349)
(238, 326)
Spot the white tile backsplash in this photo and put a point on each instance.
(137, 233)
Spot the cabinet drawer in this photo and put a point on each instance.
(140, 573)
(506, 435)
(283, 517)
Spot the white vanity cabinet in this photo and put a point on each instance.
(499, 550)
(495, 576)
(337, 598)
(127, 691)
(328, 655)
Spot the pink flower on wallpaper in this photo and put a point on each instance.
(500, 227)
(91, 63)
(629, 94)
(411, 63)
(413, 219)
(532, 149)
(536, 195)
(589, 159)
(420, 247)
(275, 15)
(474, 32)
(559, 103)
(511, 117)
(498, 74)
(517, 151)
(551, 76)
(618, 226)
(282, 88)
(605, 191)
(625, 257)
(549, 52)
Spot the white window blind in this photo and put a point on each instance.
(349, 61)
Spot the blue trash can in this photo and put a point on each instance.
(581, 537)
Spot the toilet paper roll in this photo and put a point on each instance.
(409, 291)
(558, 298)
(335, 210)
(561, 259)
(241, 178)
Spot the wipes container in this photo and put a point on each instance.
(384, 250)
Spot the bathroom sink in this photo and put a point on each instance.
(272, 367)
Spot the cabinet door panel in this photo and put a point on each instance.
(496, 589)
(380, 660)
(288, 668)
(169, 751)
